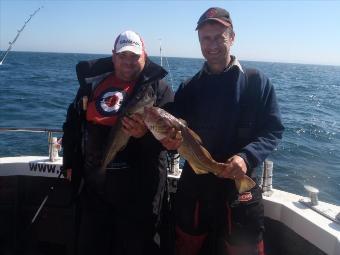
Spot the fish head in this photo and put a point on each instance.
(159, 122)
(144, 99)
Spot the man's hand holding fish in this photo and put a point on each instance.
(173, 141)
(235, 168)
(134, 125)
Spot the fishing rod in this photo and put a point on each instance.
(173, 158)
(160, 51)
(11, 44)
(166, 59)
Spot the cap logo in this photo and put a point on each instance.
(128, 42)
(211, 13)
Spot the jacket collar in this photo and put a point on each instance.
(233, 64)
(150, 73)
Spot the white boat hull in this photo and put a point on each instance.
(281, 207)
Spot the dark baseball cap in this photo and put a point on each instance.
(215, 13)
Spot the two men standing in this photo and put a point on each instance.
(235, 112)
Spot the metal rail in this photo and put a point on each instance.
(31, 130)
(51, 148)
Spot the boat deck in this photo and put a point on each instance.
(292, 228)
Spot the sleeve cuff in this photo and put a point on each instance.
(244, 156)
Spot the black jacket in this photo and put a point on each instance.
(146, 157)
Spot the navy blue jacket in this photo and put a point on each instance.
(234, 112)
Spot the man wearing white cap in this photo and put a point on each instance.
(120, 214)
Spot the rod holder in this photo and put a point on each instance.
(174, 164)
(52, 147)
(267, 176)
(313, 194)
(338, 216)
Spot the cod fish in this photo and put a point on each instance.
(160, 122)
(118, 139)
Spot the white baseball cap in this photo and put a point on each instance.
(129, 41)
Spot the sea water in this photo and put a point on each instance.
(36, 89)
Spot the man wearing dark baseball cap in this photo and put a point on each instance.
(235, 113)
(215, 14)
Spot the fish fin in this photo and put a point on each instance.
(202, 161)
(196, 136)
(111, 157)
(198, 170)
(215, 167)
(244, 184)
(183, 122)
(107, 160)
(206, 153)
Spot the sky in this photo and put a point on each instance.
(275, 31)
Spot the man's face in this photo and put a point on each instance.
(128, 65)
(215, 43)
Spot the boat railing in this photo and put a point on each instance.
(174, 160)
(53, 145)
(31, 130)
(175, 171)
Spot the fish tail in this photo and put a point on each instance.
(244, 184)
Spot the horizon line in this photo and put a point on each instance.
(262, 61)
